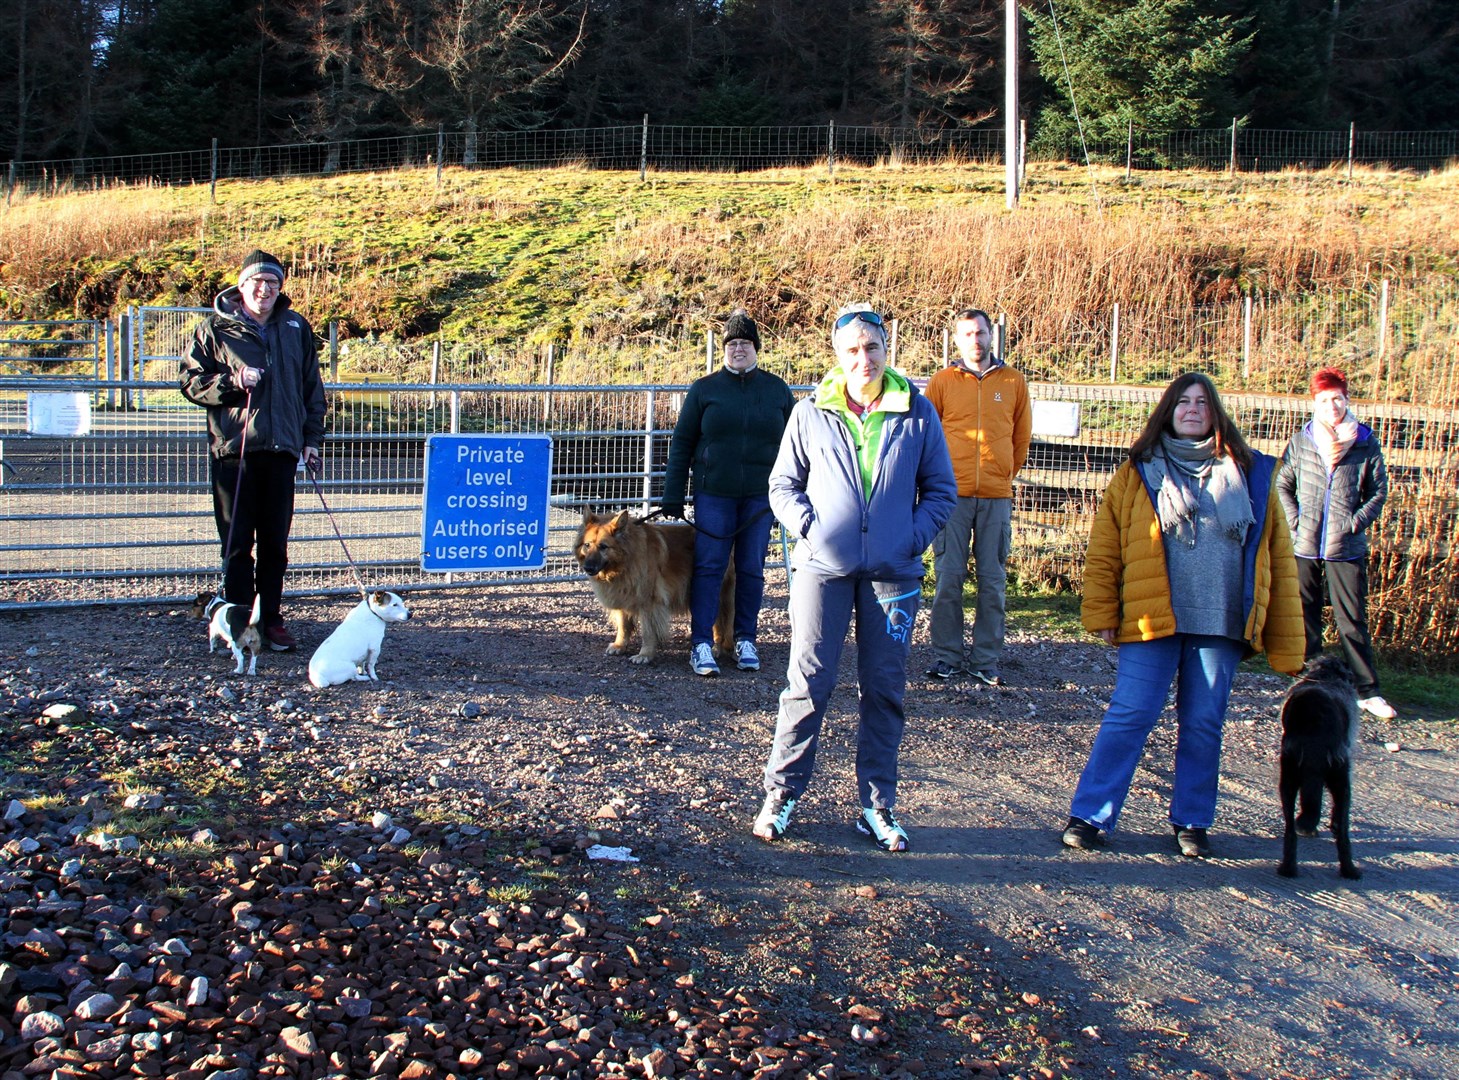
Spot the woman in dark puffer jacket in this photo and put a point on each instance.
(1333, 485)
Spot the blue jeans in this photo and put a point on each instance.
(1202, 668)
(725, 525)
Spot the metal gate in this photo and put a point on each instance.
(124, 512)
(156, 337)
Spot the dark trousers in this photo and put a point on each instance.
(1347, 588)
(260, 518)
(738, 527)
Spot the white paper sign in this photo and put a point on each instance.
(1056, 418)
(64, 414)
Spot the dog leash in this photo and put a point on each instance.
(313, 470)
(237, 490)
(756, 516)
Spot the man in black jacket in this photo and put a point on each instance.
(254, 366)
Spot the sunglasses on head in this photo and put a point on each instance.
(865, 316)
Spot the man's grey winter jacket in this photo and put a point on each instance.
(1329, 515)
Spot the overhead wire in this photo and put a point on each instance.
(1074, 102)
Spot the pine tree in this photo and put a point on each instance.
(1163, 64)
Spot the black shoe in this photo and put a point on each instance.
(1193, 843)
(1083, 835)
(987, 678)
(942, 672)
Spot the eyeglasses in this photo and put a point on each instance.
(259, 281)
(865, 316)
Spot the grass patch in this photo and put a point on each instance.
(1050, 615)
(178, 847)
(44, 803)
(1422, 696)
(509, 894)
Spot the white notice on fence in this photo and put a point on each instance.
(63, 414)
(1056, 418)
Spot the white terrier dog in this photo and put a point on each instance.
(349, 654)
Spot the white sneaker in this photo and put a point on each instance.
(1376, 706)
(774, 817)
(746, 658)
(882, 826)
(701, 659)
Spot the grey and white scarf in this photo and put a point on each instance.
(1178, 470)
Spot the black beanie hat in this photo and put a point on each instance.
(259, 262)
(740, 327)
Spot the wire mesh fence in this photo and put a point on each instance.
(732, 148)
(123, 512)
(1396, 341)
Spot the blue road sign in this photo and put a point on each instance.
(485, 502)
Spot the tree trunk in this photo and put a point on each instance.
(21, 104)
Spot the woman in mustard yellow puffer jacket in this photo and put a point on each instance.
(1189, 571)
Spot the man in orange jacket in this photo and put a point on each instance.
(988, 420)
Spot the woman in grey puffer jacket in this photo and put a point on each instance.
(1333, 484)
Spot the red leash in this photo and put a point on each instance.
(314, 468)
(237, 489)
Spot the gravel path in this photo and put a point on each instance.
(484, 939)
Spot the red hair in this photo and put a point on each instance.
(1329, 378)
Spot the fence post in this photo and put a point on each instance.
(1233, 147)
(1382, 331)
(643, 153)
(213, 170)
(1246, 341)
(831, 149)
(111, 363)
(440, 150)
(1000, 334)
(648, 450)
(1352, 138)
(435, 367)
(1129, 149)
(1022, 152)
(1114, 345)
(455, 412)
(333, 351)
(709, 351)
(124, 362)
(551, 374)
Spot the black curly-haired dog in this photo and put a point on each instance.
(1319, 734)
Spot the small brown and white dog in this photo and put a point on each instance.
(349, 654)
(232, 624)
(1319, 735)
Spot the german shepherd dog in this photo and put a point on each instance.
(641, 572)
(1319, 734)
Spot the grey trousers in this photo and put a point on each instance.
(986, 524)
(821, 609)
